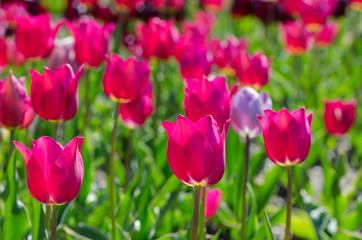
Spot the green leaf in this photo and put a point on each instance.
(252, 221)
(38, 221)
(268, 230)
(83, 231)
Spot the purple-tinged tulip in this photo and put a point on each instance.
(63, 53)
(55, 93)
(15, 105)
(125, 80)
(196, 151)
(246, 104)
(92, 41)
(296, 38)
(326, 36)
(54, 173)
(204, 97)
(212, 201)
(34, 37)
(135, 113)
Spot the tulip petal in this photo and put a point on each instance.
(38, 186)
(24, 151)
(208, 127)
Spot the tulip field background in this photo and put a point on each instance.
(327, 186)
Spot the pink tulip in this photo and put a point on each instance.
(206, 97)
(246, 104)
(14, 57)
(158, 38)
(212, 5)
(3, 54)
(15, 106)
(196, 151)
(92, 41)
(55, 93)
(326, 36)
(212, 201)
(130, 5)
(136, 112)
(14, 10)
(291, 6)
(296, 38)
(339, 116)
(54, 173)
(34, 37)
(253, 70)
(167, 4)
(356, 5)
(63, 53)
(287, 136)
(125, 80)
(199, 29)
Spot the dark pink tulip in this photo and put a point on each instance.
(356, 5)
(204, 97)
(339, 116)
(55, 93)
(253, 70)
(212, 5)
(15, 105)
(129, 5)
(296, 38)
(158, 38)
(212, 203)
(34, 36)
(54, 173)
(314, 13)
(124, 80)
(3, 53)
(326, 36)
(200, 28)
(287, 136)
(196, 151)
(92, 41)
(167, 4)
(135, 113)
(291, 6)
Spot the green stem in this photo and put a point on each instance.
(289, 204)
(128, 159)
(55, 130)
(54, 222)
(48, 211)
(11, 142)
(245, 180)
(111, 171)
(195, 218)
(86, 99)
(157, 104)
(202, 214)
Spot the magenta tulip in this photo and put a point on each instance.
(14, 10)
(206, 97)
(196, 151)
(287, 136)
(162, 5)
(212, 201)
(34, 36)
(125, 80)
(55, 93)
(296, 38)
(291, 6)
(339, 116)
(54, 173)
(63, 53)
(326, 36)
(3, 53)
(92, 41)
(16, 110)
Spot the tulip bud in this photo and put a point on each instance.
(339, 116)
(91, 41)
(246, 104)
(15, 106)
(124, 80)
(206, 97)
(296, 38)
(136, 112)
(196, 151)
(212, 201)
(54, 173)
(326, 36)
(34, 37)
(287, 136)
(55, 93)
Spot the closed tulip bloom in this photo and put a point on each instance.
(158, 38)
(135, 113)
(16, 110)
(212, 201)
(196, 151)
(296, 38)
(327, 35)
(339, 116)
(195, 62)
(34, 36)
(55, 93)
(54, 173)
(204, 97)
(253, 70)
(212, 5)
(125, 80)
(246, 104)
(287, 136)
(92, 41)
(356, 5)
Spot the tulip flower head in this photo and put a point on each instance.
(125, 80)
(54, 173)
(326, 36)
(136, 112)
(34, 36)
(196, 151)
(212, 201)
(3, 54)
(287, 136)
(16, 110)
(339, 116)
(55, 93)
(246, 104)
(291, 6)
(206, 97)
(296, 38)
